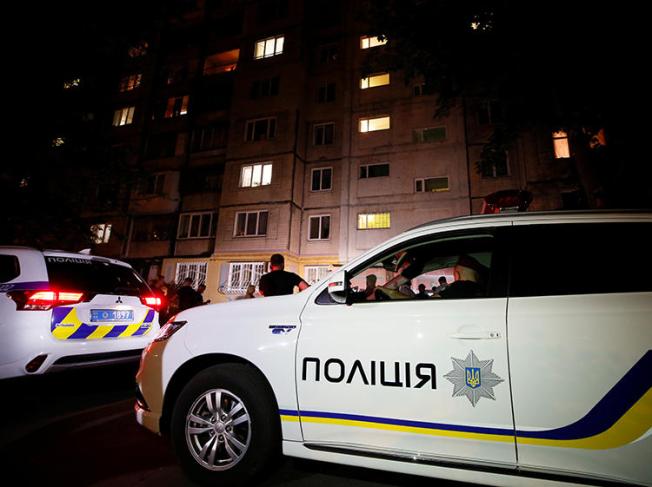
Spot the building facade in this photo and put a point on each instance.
(255, 129)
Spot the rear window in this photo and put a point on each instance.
(9, 268)
(94, 276)
(588, 258)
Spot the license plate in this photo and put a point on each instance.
(99, 315)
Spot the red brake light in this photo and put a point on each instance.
(44, 300)
(153, 302)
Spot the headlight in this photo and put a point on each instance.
(169, 329)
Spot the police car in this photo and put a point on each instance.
(535, 370)
(60, 310)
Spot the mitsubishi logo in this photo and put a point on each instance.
(119, 301)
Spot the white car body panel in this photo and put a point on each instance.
(554, 366)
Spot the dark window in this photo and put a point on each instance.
(209, 138)
(328, 54)
(262, 129)
(154, 228)
(9, 268)
(490, 112)
(251, 224)
(93, 276)
(322, 179)
(324, 133)
(161, 145)
(272, 10)
(264, 87)
(374, 171)
(326, 93)
(320, 227)
(586, 258)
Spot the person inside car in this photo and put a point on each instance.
(469, 279)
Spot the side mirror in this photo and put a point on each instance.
(338, 287)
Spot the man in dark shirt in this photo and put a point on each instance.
(187, 296)
(279, 282)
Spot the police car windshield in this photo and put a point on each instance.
(94, 276)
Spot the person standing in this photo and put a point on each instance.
(187, 296)
(251, 289)
(279, 282)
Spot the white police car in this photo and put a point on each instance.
(61, 310)
(534, 368)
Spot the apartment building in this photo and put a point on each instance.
(254, 131)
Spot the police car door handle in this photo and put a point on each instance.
(476, 335)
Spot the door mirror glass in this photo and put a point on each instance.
(338, 287)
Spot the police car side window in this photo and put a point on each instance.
(451, 267)
(588, 258)
(9, 268)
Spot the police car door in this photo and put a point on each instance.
(580, 341)
(411, 376)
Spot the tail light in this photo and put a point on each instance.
(154, 302)
(44, 300)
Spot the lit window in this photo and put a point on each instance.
(242, 274)
(560, 143)
(374, 170)
(260, 129)
(71, 83)
(431, 134)
(101, 233)
(368, 221)
(196, 225)
(323, 133)
(371, 41)
(373, 124)
(322, 179)
(123, 116)
(130, 82)
(222, 62)
(320, 227)
(177, 106)
(254, 175)
(374, 80)
(431, 185)
(58, 142)
(272, 46)
(250, 224)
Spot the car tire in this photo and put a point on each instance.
(233, 443)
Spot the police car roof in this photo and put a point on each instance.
(542, 215)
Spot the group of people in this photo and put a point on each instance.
(177, 298)
(469, 275)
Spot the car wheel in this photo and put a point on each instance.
(225, 425)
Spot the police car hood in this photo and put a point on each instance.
(243, 327)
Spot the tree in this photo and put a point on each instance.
(570, 67)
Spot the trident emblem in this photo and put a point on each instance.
(473, 377)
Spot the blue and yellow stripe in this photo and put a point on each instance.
(66, 325)
(622, 416)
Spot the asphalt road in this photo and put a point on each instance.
(78, 429)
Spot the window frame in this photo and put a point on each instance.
(365, 121)
(418, 135)
(124, 116)
(367, 215)
(263, 165)
(369, 42)
(246, 223)
(319, 228)
(367, 166)
(423, 184)
(256, 268)
(369, 80)
(321, 178)
(276, 51)
(200, 216)
(269, 133)
(324, 139)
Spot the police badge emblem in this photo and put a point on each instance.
(473, 378)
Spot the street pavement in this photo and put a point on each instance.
(78, 429)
